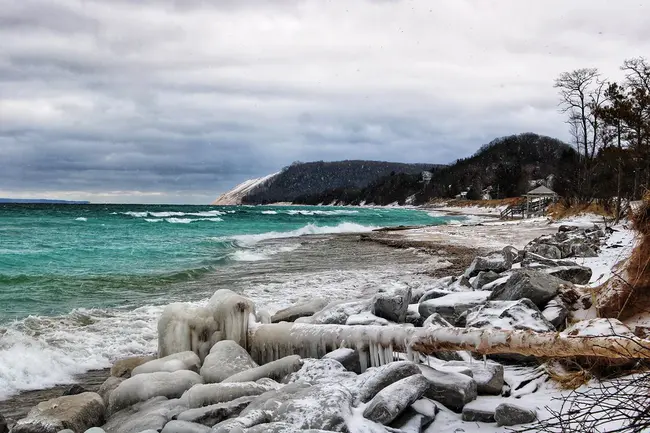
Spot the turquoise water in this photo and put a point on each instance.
(57, 258)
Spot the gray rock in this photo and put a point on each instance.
(108, 386)
(391, 401)
(323, 406)
(226, 359)
(338, 313)
(242, 422)
(301, 310)
(74, 390)
(487, 375)
(567, 228)
(316, 371)
(508, 414)
(215, 413)
(95, 430)
(532, 260)
(149, 415)
(534, 285)
(574, 274)
(414, 318)
(143, 387)
(76, 412)
(411, 421)
(282, 427)
(509, 315)
(374, 380)
(124, 367)
(214, 393)
(392, 304)
(478, 412)
(513, 254)
(270, 401)
(366, 319)
(178, 361)
(582, 249)
(496, 261)
(4, 425)
(349, 358)
(184, 427)
(451, 307)
(556, 312)
(454, 390)
(546, 250)
(483, 278)
(275, 370)
(435, 294)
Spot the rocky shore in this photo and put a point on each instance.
(230, 367)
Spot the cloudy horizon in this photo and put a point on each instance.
(179, 101)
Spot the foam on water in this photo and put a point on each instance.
(81, 219)
(309, 229)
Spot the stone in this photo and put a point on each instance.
(556, 312)
(478, 411)
(454, 390)
(413, 317)
(214, 393)
(451, 307)
(487, 375)
(349, 359)
(275, 370)
(77, 412)
(323, 406)
(366, 319)
(532, 260)
(582, 249)
(74, 390)
(184, 427)
(534, 285)
(226, 359)
(187, 360)
(574, 274)
(108, 386)
(411, 421)
(149, 415)
(4, 425)
(281, 427)
(567, 228)
(391, 401)
(95, 430)
(513, 254)
(316, 371)
(546, 250)
(496, 261)
(435, 294)
(242, 422)
(338, 313)
(392, 304)
(301, 310)
(374, 380)
(483, 278)
(124, 367)
(143, 387)
(508, 414)
(215, 413)
(270, 401)
(509, 315)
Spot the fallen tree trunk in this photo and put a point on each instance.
(378, 343)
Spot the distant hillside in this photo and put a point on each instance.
(506, 166)
(312, 178)
(40, 201)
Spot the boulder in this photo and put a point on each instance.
(376, 379)
(367, 319)
(391, 401)
(411, 421)
(275, 370)
(338, 313)
(581, 249)
(280, 427)
(214, 393)
(294, 312)
(76, 412)
(483, 278)
(270, 401)
(435, 294)
(184, 427)
(226, 358)
(479, 411)
(574, 274)
(215, 413)
(242, 422)
(454, 390)
(600, 327)
(413, 317)
(546, 250)
(556, 312)
(532, 260)
(509, 315)
(143, 387)
(108, 386)
(349, 358)
(95, 430)
(392, 304)
(74, 390)
(451, 307)
(4, 425)
(124, 367)
(149, 415)
(496, 261)
(508, 414)
(316, 371)
(567, 228)
(534, 285)
(324, 406)
(487, 375)
(178, 361)
(513, 254)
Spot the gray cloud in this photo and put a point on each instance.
(180, 100)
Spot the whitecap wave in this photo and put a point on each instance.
(322, 212)
(81, 219)
(145, 214)
(178, 220)
(269, 212)
(136, 214)
(248, 256)
(309, 229)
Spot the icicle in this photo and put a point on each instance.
(382, 355)
(485, 361)
(363, 358)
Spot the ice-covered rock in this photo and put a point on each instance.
(435, 294)
(349, 358)
(534, 285)
(509, 414)
(454, 390)
(184, 427)
(509, 315)
(479, 411)
(76, 412)
(391, 401)
(412, 421)
(281, 427)
(483, 278)
(244, 421)
(231, 313)
(271, 400)
(226, 358)
(574, 274)
(366, 319)
(513, 254)
(108, 386)
(496, 261)
(275, 370)
(215, 413)
(392, 303)
(532, 260)
(338, 313)
(124, 367)
(143, 387)
(598, 328)
(177, 361)
(294, 312)
(184, 327)
(214, 393)
(149, 415)
(487, 375)
(556, 312)
(316, 371)
(376, 379)
(546, 250)
(450, 307)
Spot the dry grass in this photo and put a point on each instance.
(563, 209)
(478, 203)
(567, 378)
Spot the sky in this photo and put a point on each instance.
(176, 101)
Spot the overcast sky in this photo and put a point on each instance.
(177, 101)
